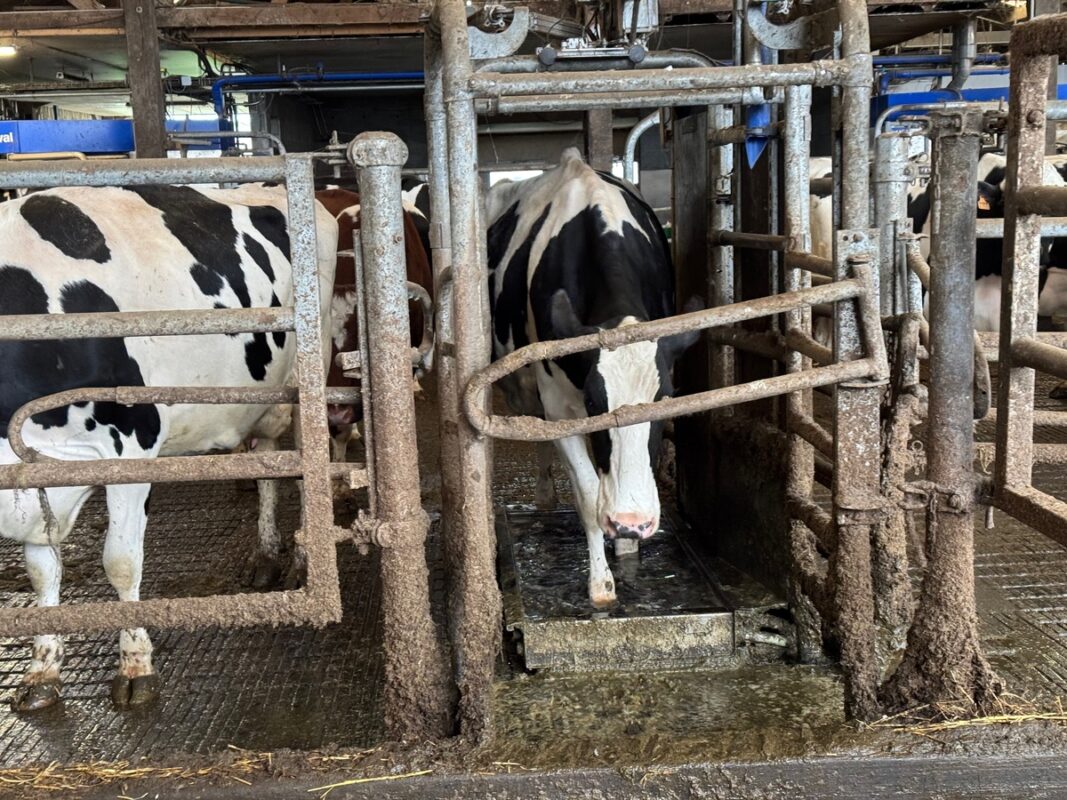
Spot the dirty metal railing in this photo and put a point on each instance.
(1036, 48)
(872, 366)
(455, 92)
(415, 687)
(319, 601)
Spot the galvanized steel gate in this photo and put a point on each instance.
(456, 90)
(416, 690)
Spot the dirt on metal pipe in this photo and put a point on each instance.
(943, 656)
(416, 680)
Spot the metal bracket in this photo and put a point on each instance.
(932, 497)
(485, 45)
(810, 32)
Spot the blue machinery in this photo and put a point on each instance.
(91, 137)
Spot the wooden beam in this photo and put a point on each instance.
(86, 5)
(146, 87)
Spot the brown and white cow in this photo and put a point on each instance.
(345, 206)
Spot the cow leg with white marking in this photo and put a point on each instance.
(586, 484)
(127, 506)
(40, 685)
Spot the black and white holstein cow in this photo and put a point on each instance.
(572, 251)
(135, 249)
(988, 252)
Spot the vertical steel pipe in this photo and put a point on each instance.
(416, 690)
(477, 606)
(630, 155)
(800, 468)
(721, 209)
(857, 443)
(311, 356)
(1025, 169)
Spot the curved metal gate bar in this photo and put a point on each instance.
(1036, 48)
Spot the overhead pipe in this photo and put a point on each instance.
(964, 51)
(922, 60)
(631, 144)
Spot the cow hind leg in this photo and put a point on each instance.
(266, 567)
(127, 506)
(585, 483)
(545, 493)
(41, 684)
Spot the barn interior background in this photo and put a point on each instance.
(861, 554)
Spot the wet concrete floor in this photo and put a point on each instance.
(265, 689)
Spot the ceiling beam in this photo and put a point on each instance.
(85, 5)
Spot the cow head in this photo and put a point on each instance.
(627, 501)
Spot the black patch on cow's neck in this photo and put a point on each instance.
(511, 301)
(65, 226)
(270, 222)
(259, 255)
(35, 369)
(596, 402)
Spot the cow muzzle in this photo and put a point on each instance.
(631, 526)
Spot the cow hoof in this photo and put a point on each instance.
(131, 692)
(35, 696)
(546, 500)
(266, 572)
(296, 577)
(602, 593)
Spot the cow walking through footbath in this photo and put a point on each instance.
(570, 252)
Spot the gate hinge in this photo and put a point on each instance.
(930, 496)
(368, 530)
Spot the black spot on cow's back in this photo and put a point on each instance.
(259, 255)
(205, 228)
(65, 226)
(270, 222)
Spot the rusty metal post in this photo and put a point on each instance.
(599, 149)
(796, 135)
(721, 258)
(416, 691)
(857, 448)
(476, 604)
(943, 656)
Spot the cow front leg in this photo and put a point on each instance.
(127, 506)
(586, 483)
(266, 568)
(41, 684)
(545, 493)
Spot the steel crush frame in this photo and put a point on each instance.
(415, 688)
(455, 92)
(1036, 48)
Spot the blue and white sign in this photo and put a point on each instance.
(9, 137)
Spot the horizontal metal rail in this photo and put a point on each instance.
(168, 469)
(1035, 508)
(816, 518)
(816, 73)
(159, 395)
(299, 607)
(143, 171)
(1040, 356)
(994, 228)
(1043, 418)
(991, 342)
(811, 263)
(114, 324)
(748, 241)
(534, 429)
(1042, 452)
(519, 104)
(811, 431)
(1048, 201)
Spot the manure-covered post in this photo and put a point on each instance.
(416, 679)
(943, 659)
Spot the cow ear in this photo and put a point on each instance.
(674, 346)
(565, 323)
